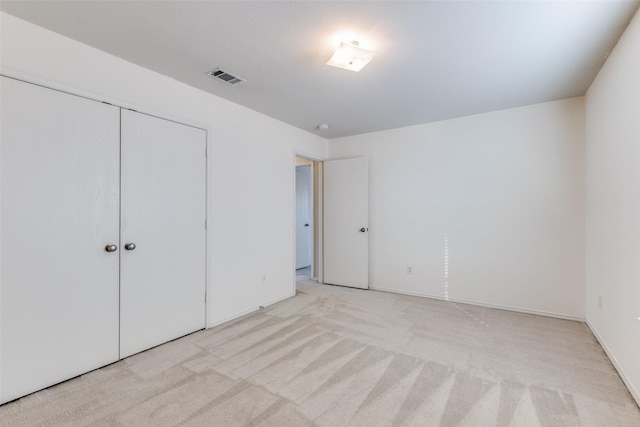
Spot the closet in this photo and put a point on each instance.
(102, 234)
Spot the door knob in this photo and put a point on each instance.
(362, 230)
(111, 248)
(130, 246)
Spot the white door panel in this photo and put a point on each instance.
(59, 158)
(346, 211)
(163, 214)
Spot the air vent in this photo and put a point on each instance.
(225, 76)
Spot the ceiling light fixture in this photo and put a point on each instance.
(351, 56)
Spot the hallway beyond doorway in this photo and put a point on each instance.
(303, 274)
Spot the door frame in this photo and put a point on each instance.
(317, 263)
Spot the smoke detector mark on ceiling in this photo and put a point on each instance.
(225, 76)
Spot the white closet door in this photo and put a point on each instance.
(162, 280)
(59, 209)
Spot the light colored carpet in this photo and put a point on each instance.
(303, 274)
(335, 356)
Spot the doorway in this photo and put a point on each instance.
(303, 217)
(331, 231)
(308, 219)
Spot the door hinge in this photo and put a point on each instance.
(206, 151)
(205, 224)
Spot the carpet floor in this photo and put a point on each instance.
(335, 356)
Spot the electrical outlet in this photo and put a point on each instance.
(263, 278)
(409, 269)
(599, 302)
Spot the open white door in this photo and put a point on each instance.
(162, 278)
(346, 217)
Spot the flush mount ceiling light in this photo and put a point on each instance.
(351, 56)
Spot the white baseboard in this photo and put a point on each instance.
(482, 304)
(625, 379)
(249, 311)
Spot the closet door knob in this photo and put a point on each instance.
(130, 246)
(111, 248)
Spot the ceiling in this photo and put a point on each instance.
(435, 59)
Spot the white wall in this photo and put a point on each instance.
(613, 206)
(250, 214)
(502, 194)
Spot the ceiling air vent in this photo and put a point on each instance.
(224, 76)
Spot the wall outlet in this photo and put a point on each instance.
(263, 278)
(599, 303)
(409, 269)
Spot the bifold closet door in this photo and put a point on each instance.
(162, 278)
(59, 158)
